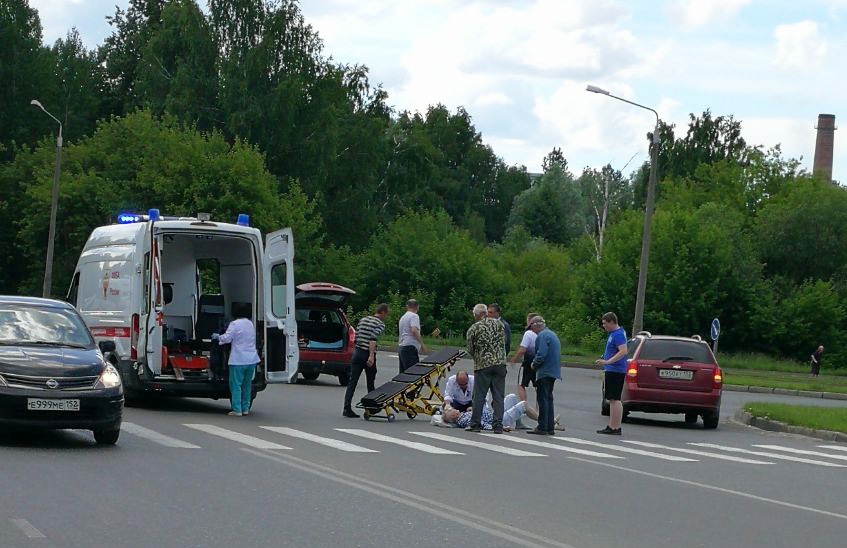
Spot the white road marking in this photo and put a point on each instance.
(766, 454)
(802, 452)
(329, 442)
(715, 488)
(27, 528)
(836, 447)
(152, 435)
(236, 436)
(426, 448)
(559, 447)
(696, 452)
(661, 456)
(481, 445)
(504, 527)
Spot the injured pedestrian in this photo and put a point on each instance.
(515, 410)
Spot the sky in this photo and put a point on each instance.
(520, 67)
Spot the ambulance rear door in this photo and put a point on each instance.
(281, 351)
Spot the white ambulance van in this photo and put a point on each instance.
(159, 287)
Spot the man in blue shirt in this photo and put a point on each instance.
(547, 364)
(614, 366)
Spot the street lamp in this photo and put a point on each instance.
(638, 323)
(54, 206)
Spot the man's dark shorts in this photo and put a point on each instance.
(461, 406)
(613, 385)
(527, 373)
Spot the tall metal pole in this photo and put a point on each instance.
(638, 322)
(54, 206)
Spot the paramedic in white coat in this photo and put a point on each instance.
(243, 358)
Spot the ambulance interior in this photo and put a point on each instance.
(205, 278)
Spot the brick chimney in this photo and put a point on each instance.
(824, 146)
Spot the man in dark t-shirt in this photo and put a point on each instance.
(364, 355)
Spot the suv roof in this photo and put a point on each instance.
(38, 301)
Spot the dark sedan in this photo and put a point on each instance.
(52, 375)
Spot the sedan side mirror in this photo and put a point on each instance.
(107, 346)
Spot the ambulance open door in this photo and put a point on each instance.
(281, 350)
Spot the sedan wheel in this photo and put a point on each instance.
(107, 437)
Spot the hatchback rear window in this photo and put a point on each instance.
(677, 351)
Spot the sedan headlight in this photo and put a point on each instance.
(109, 378)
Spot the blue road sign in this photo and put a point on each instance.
(716, 329)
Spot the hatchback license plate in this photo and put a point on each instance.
(676, 374)
(44, 404)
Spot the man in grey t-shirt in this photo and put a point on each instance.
(410, 342)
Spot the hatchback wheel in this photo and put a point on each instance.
(711, 419)
(604, 408)
(107, 437)
(690, 418)
(343, 379)
(311, 375)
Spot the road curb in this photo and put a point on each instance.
(771, 425)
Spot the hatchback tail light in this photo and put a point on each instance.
(351, 336)
(632, 371)
(133, 338)
(718, 378)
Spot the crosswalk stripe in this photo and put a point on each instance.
(836, 447)
(559, 447)
(696, 452)
(250, 441)
(426, 448)
(802, 452)
(156, 437)
(661, 456)
(766, 454)
(329, 442)
(481, 445)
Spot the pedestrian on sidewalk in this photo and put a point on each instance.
(364, 355)
(817, 356)
(614, 367)
(243, 358)
(410, 343)
(547, 364)
(486, 340)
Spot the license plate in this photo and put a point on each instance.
(43, 404)
(676, 374)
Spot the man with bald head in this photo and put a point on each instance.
(459, 391)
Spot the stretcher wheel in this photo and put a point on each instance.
(366, 415)
(391, 417)
(411, 414)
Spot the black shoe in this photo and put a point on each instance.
(473, 429)
(610, 431)
(537, 432)
(349, 413)
(498, 430)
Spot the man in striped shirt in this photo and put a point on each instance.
(364, 354)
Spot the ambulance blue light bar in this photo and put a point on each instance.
(243, 219)
(128, 218)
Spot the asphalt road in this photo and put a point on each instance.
(186, 475)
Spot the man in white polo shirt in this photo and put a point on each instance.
(458, 392)
(410, 343)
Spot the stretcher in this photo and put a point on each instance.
(414, 391)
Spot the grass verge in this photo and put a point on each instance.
(784, 380)
(819, 418)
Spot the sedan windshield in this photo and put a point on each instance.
(25, 324)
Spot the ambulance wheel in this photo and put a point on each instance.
(391, 417)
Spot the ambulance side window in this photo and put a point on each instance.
(74, 290)
(278, 288)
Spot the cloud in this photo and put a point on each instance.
(88, 16)
(799, 46)
(699, 13)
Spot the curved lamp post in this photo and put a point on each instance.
(54, 206)
(638, 322)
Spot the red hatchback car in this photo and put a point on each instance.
(325, 335)
(672, 375)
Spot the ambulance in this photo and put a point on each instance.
(159, 287)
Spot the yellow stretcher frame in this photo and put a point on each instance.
(421, 396)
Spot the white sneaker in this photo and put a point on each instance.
(234, 414)
(558, 425)
(245, 413)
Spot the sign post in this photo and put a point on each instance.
(715, 332)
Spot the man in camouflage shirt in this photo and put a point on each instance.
(487, 346)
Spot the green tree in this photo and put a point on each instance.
(604, 193)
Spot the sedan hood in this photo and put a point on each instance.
(47, 361)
